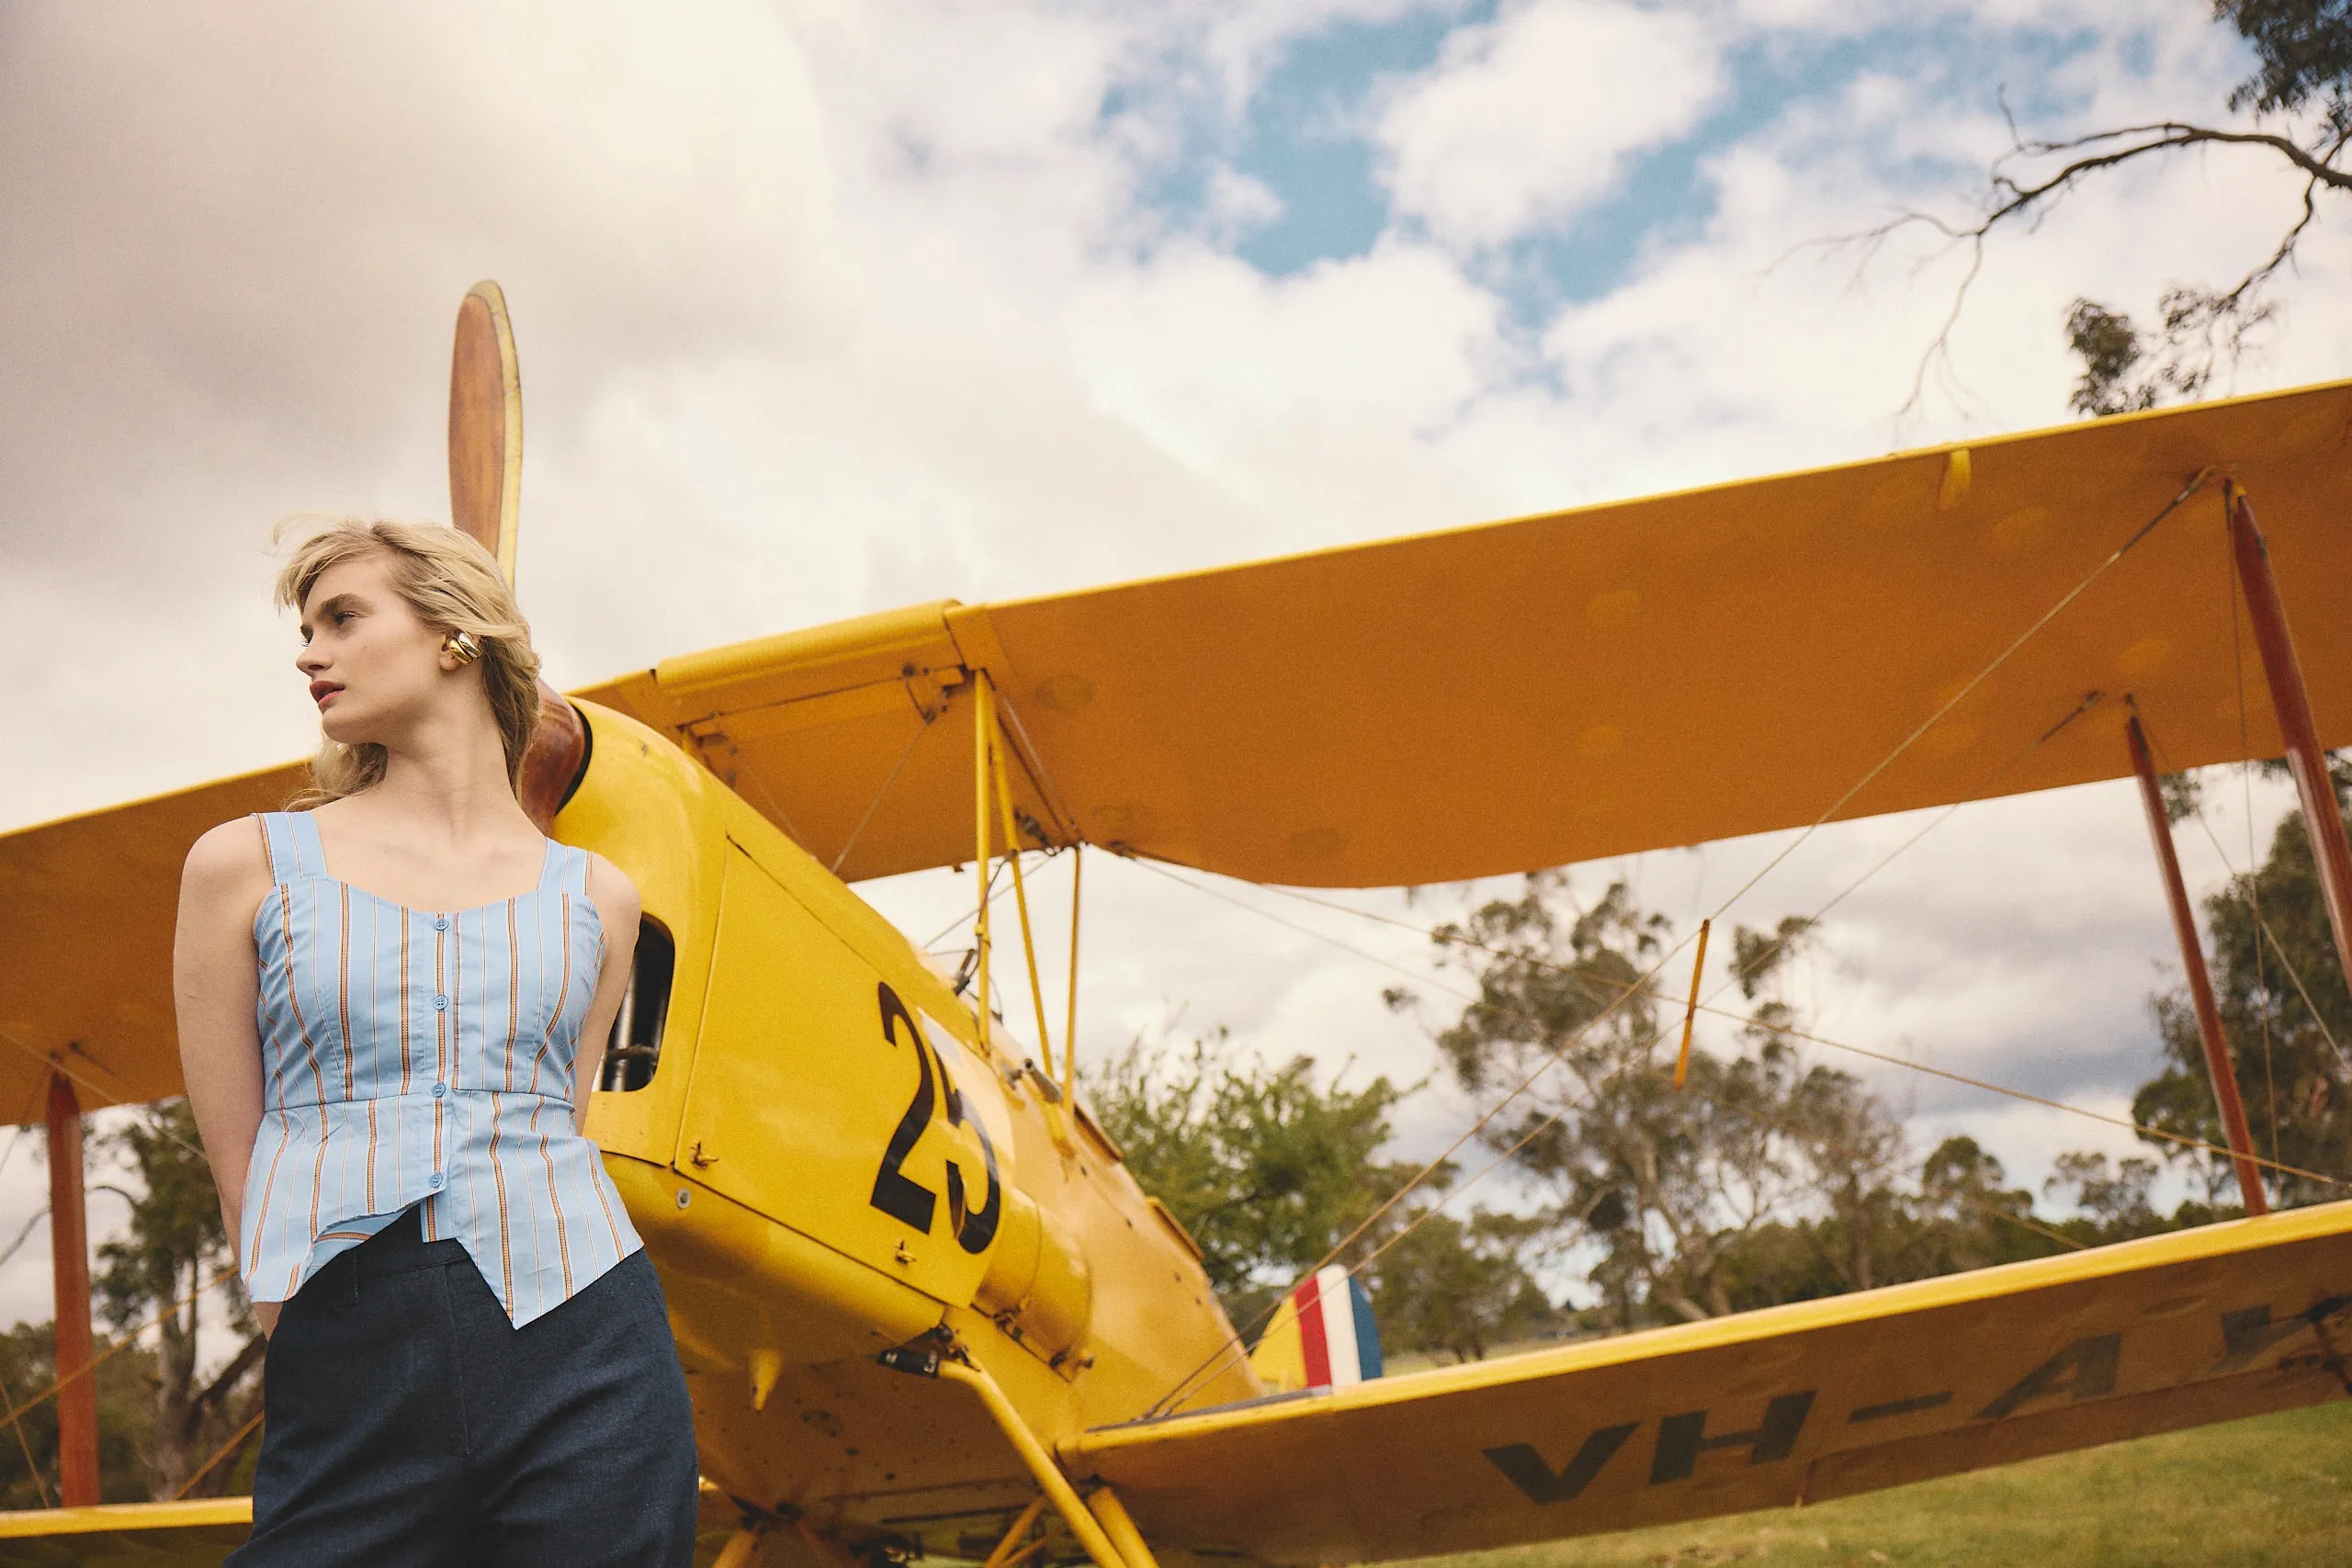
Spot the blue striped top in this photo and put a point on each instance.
(425, 1056)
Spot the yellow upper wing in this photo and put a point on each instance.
(1619, 678)
(1526, 693)
(1797, 1404)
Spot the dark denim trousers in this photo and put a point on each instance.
(407, 1422)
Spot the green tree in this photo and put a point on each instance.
(1968, 1216)
(157, 1271)
(29, 1373)
(1955, 1213)
(1460, 1287)
(2111, 1204)
(1672, 1187)
(1266, 1168)
(1270, 1170)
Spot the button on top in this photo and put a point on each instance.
(439, 1089)
(439, 1002)
(440, 923)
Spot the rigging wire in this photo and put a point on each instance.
(2196, 483)
(876, 804)
(951, 927)
(58, 1065)
(2252, 885)
(223, 1451)
(1557, 1054)
(1791, 1032)
(1216, 1361)
(1809, 1037)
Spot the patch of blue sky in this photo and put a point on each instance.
(1665, 196)
(1308, 137)
(1305, 137)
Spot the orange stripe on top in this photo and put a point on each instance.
(505, 1234)
(440, 1051)
(563, 1244)
(514, 989)
(343, 988)
(268, 1186)
(405, 1062)
(562, 989)
(310, 1051)
(318, 1181)
(293, 998)
(596, 1181)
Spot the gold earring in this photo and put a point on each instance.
(461, 646)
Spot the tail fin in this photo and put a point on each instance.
(1321, 1337)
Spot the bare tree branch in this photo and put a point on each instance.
(2199, 326)
(12, 1248)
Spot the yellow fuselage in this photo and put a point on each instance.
(827, 1161)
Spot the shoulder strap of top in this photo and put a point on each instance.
(290, 839)
(566, 870)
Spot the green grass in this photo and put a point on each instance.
(2275, 1492)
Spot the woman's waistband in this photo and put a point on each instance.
(399, 1249)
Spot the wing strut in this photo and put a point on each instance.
(69, 1244)
(1048, 1475)
(2201, 984)
(2290, 700)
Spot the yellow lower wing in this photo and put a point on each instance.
(1793, 1405)
(201, 1531)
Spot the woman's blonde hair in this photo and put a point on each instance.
(454, 586)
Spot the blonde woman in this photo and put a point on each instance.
(392, 1009)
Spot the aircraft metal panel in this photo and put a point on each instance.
(819, 1100)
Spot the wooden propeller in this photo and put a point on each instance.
(486, 424)
(485, 495)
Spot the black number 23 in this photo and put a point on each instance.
(898, 1194)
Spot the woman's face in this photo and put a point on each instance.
(373, 665)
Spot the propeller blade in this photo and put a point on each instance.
(486, 424)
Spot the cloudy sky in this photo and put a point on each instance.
(826, 308)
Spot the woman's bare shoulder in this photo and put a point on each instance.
(614, 893)
(228, 864)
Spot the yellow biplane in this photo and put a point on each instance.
(924, 1308)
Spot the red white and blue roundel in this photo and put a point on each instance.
(1321, 1337)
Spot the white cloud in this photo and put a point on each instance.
(1528, 117)
(1236, 204)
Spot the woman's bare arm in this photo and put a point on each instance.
(615, 897)
(215, 987)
